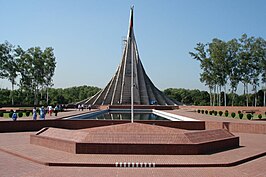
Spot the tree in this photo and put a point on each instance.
(246, 63)
(241, 60)
(8, 65)
(37, 69)
(218, 54)
(206, 65)
(233, 66)
(49, 68)
(263, 77)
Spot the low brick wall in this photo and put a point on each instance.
(63, 145)
(158, 149)
(31, 125)
(237, 127)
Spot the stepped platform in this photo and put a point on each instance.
(135, 138)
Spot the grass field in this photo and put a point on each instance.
(6, 115)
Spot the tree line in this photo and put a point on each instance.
(229, 63)
(56, 96)
(77, 93)
(31, 70)
(202, 98)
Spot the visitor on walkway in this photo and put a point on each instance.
(56, 109)
(79, 107)
(42, 113)
(50, 110)
(89, 107)
(34, 113)
(82, 107)
(14, 116)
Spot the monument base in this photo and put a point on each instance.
(135, 138)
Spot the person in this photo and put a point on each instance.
(89, 107)
(14, 116)
(34, 113)
(50, 110)
(42, 113)
(82, 107)
(79, 107)
(56, 109)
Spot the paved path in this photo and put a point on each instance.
(15, 147)
(12, 166)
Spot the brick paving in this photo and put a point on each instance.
(20, 158)
(18, 144)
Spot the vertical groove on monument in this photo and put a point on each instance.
(118, 90)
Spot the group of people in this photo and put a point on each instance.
(81, 107)
(43, 112)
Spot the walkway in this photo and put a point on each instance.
(20, 158)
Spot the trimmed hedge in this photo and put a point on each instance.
(206, 111)
(27, 113)
(202, 111)
(215, 113)
(210, 112)
(259, 116)
(233, 114)
(1, 114)
(249, 116)
(20, 114)
(220, 113)
(241, 115)
(226, 114)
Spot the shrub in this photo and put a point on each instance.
(1, 114)
(226, 111)
(259, 116)
(198, 110)
(10, 114)
(202, 111)
(27, 113)
(226, 114)
(206, 111)
(240, 115)
(215, 113)
(20, 114)
(249, 116)
(220, 113)
(210, 112)
(233, 114)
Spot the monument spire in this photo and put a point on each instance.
(130, 29)
(129, 73)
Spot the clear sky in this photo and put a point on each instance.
(87, 34)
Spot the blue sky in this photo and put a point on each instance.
(87, 34)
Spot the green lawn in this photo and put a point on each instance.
(6, 115)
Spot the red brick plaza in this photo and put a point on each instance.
(19, 158)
